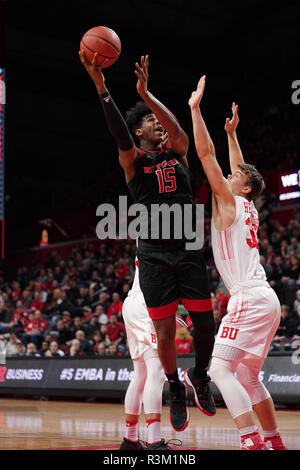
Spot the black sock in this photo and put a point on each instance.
(174, 381)
(203, 340)
(200, 374)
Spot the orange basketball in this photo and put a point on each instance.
(104, 41)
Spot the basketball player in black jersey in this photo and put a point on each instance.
(157, 172)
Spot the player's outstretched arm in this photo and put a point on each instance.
(235, 154)
(115, 121)
(205, 147)
(178, 139)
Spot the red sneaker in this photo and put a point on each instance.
(253, 441)
(275, 442)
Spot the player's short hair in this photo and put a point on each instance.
(134, 117)
(254, 180)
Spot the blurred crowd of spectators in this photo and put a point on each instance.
(69, 307)
(73, 307)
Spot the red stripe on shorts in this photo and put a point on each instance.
(158, 313)
(197, 305)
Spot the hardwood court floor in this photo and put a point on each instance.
(33, 424)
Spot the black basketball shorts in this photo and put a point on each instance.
(169, 276)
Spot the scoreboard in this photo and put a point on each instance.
(2, 158)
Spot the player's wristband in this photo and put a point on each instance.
(116, 123)
(104, 95)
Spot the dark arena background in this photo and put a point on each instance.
(58, 163)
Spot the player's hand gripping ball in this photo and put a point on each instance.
(105, 42)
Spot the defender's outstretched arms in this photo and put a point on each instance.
(206, 150)
(235, 154)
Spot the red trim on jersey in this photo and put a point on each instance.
(158, 313)
(164, 146)
(141, 153)
(159, 151)
(137, 263)
(197, 305)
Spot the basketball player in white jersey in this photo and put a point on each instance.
(253, 316)
(147, 384)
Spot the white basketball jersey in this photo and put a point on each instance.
(236, 250)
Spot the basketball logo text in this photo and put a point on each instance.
(153, 338)
(229, 332)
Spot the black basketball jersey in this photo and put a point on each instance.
(161, 178)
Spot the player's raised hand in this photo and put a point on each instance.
(142, 73)
(196, 96)
(95, 71)
(231, 124)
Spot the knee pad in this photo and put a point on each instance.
(234, 394)
(219, 368)
(152, 396)
(155, 372)
(133, 400)
(134, 393)
(249, 379)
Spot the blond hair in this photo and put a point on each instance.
(254, 180)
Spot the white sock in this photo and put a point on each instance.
(131, 432)
(270, 433)
(153, 429)
(247, 430)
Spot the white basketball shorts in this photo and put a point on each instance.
(252, 320)
(140, 331)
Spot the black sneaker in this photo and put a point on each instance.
(161, 445)
(179, 415)
(130, 445)
(202, 393)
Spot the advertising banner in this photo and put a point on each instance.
(111, 376)
(289, 186)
